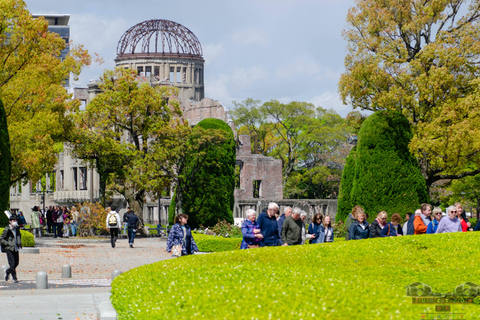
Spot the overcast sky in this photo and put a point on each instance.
(262, 49)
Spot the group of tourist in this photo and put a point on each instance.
(424, 221)
(273, 229)
(62, 222)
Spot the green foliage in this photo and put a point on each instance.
(207, 243)
(5, 166)
(353, 280)
(27, 238)
(309, 140)
(387, 176)
(227, 230)
(345, 205)
(209, 198)
(339, 230)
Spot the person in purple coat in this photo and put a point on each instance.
(251, 231)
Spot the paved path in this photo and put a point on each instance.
(79, 297)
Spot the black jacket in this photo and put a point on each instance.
(132, 221)
(375, 229)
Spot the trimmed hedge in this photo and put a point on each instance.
(364, 279)
(5, 167)
(27, 238)
(210, 197)
(345, 204)
(207, 243)
(387, 176)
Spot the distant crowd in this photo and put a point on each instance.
(62, 222)
(273, 229)
(425, 220)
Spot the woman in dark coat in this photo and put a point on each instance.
(378, 224)
(359, 228)
(313, 227)
(180, 240)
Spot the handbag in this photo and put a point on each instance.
(177, 250)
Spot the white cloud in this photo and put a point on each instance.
(212, 52)
(251, 37)
(331, 100)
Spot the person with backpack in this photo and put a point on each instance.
(113, 224)
(133, 223)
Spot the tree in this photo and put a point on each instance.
(37, 106)
(124, 121)
(387, 176)
(307, 139)
(465, 190)
(5, 167)
(206, 184)
(420, 58)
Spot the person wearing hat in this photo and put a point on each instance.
(11, 242)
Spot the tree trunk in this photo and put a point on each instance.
(5, 167)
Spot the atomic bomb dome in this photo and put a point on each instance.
(159, 38)
(167, 53)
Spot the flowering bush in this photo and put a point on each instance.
(92, 217)
(364, 279)
(227, 230)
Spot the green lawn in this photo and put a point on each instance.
(342, 280)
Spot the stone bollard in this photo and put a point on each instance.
(41, 280)
(116, 273)
(66, 271)
(3, 268)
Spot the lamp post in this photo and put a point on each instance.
(42, 192)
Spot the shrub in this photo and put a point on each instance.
(339, 230)
(227, 230)
(5, 167)
(27, 238)
(92, 219)
(387, 176)
(363, 279)
(345, 204)
(216, 243)
(210, 196)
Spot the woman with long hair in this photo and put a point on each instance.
(313, 227)
(180, 240)
(325, 233)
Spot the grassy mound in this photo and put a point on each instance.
(27, 238)
(363, 279)
(216, 244)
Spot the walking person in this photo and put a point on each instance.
(250, 231)
(325, 231)
(133, 223)
(35, 216)
(50, 222)
(113, 224)
(11, 242)
(74, 223)
(378, 224)
(433, 225)
(268, 225)
(359, 229)
(313, 227)
(292, 229)
(21, 221)
(180, 240)
(58, 218)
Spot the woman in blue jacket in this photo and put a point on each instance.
(359, 228)
(433, 225)
(314, 226)
(180, 240)
(393, 228)
(325, 231)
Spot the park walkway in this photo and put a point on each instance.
(79, 297)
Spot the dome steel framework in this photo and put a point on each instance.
(159, 37)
